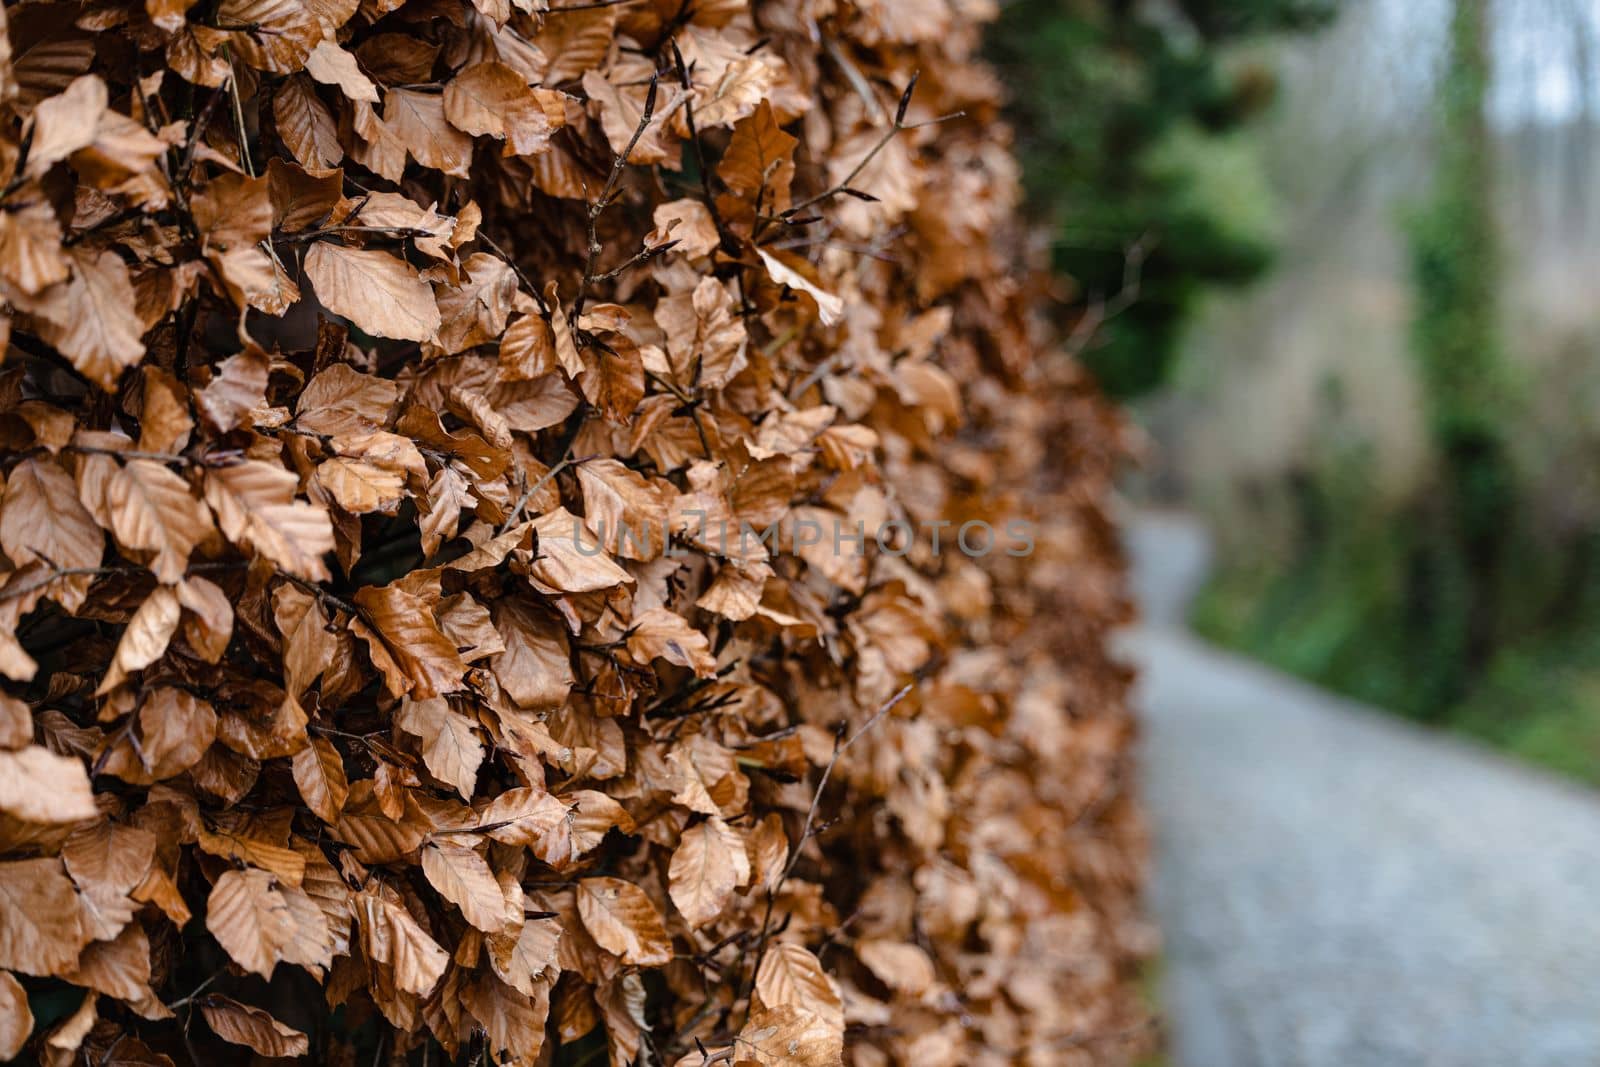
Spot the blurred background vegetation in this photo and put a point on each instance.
(1131, 121)
(1339, 256)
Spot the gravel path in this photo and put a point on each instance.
(1340, 889)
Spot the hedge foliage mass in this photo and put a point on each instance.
(346, 343)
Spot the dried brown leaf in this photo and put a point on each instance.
(16, 1017)
(380, 294)
(41, 920)
(623, 921)
(36, 785)
(707, 866)
(252, 1027)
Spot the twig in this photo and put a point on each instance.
(642, 256)
(814, 377)
(59, 573)
(1101, 311)
(132, 453)
(42, 352)
(853, 76)
(833, 935)
(533, 290)
(1126, 1033)
(12, 458)
(805, 832)
(883, 142)
(691, 403)
(660, 708)
(729, 245)
(331, 732)
(599, 206)
(323, 595)
(527, 493)
(197, 133)
(181, 1001)
(125, 733)
(378, 231)
(839, 749)
(238, 116)
(789, 215)
(826, 242)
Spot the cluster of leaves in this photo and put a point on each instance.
(344, 340)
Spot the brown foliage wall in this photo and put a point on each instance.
(348, 342)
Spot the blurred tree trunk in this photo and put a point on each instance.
(1457, 570)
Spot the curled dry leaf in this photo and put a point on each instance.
(120, 967)
(450, 748)
(494, 100)
(332, 65)
(174, 730)
(90, 317)
(145, 638)
(63, 1041)
(255, 505)
(407, 643)
(16, 723)
(662, 634)
(626, 511)
(308, 130)
(521, 958)
(261, 922)
(319, 775)
(237, 388)
(512, 1020)
(254, 1028)
(107, 862)
(390, 935)
(902, 967)
(43, 520)
(525, 816)
(830, 308)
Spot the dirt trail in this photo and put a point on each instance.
(1340, 889)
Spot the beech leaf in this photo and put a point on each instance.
(152, 509)
(377, 292)
(254, 1028)
(36, 785)
(708, 865)
(41, 920)
(319, 775)
(464, 879)
(623, 921)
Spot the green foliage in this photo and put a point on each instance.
(1127, 126)
(1340, 624)
(1334, 606)
(1457, 570)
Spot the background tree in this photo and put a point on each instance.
(1455, 570)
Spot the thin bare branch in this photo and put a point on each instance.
(598, 207)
